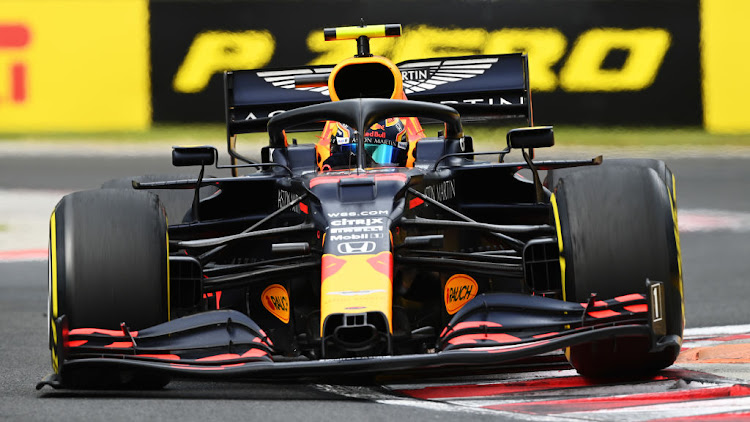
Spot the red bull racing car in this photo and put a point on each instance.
(375, 249)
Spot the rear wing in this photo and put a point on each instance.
(480, 88)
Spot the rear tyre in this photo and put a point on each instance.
(618, 225)
(108, 265)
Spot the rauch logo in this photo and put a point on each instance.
(459, 289)
(276, 300)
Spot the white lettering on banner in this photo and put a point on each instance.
(284, 198)
(357, 222)
(490, 101)
(443, 191)
(410, 75)
(357, 229)
(336, 238)
(357, 214)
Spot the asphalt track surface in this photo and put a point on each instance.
(715, 260)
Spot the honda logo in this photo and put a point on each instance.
(348, 248)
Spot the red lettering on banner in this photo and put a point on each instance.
(18, 82)
(375, 134)
(13, 37)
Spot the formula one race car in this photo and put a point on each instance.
(372, 250)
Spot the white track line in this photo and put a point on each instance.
(710, 220)
(723, 330)
(24, 219)
(682, 409)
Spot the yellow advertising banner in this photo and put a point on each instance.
(74, 65)
(726, 65)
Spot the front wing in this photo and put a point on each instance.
(490, 331)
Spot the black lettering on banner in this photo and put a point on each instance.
(280, 302)
(460, 293)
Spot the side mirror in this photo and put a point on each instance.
(531, 137)
(194, 156)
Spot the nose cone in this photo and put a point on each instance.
(356, 284)
(357, 264)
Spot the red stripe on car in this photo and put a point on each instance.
(637, 308)
(89, 331)
(161, 356)
(399, 177)
(120, 345)
(630, 297)
(602, 314)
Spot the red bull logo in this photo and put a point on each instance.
(375, 134)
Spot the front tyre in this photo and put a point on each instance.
(177, 203)
(108, 265)
(618, 227)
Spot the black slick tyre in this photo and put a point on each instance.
(618, 227)
(178, 203)
(108, 265)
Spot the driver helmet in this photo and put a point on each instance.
(386, 143)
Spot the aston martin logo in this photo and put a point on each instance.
(418, 76)
(423, 76)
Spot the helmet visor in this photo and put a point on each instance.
(383, 153)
